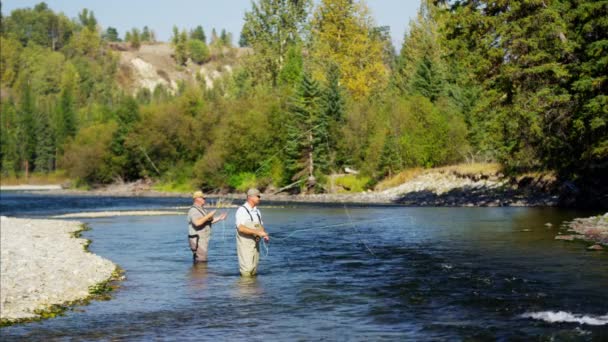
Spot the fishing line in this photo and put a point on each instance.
(332, 226)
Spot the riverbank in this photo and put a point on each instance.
(592, 229)
(44, 265)
(435, 187)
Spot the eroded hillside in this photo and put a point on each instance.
(153, 64)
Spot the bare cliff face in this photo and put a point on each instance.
(153, 64)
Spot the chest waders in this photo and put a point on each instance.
(248, 249)
(198, 247)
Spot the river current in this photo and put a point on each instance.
(336, 273)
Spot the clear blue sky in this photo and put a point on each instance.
(161, 15)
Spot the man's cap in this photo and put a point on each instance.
(253, 192)
(198, 194)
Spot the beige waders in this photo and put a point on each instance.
(248, 250)
(199, 244)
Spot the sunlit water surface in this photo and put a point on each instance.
(335, 273)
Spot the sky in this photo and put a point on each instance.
(161, 15)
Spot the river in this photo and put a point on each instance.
(336, 273)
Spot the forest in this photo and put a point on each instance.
(521, 83)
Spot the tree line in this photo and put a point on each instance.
(321, 88)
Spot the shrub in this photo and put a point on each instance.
(198, 50)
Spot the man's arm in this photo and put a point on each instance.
(201, 220)
(261, 232)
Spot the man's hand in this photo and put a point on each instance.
(220, 218)
(264, 235)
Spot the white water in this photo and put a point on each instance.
(563, 316)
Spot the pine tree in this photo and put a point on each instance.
(145, 35)
(307, 127)
(111, 35)
(198, 33)
(45, 145)
(26, 129)
(180, 41)
(420, 68)
(9, 154)
(334, 111)
(390, 159)
(135, 38)
(292, 71)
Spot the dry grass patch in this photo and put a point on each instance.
(57, 177)
(398, 179)
(487, 169)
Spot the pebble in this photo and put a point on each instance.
(38, 272)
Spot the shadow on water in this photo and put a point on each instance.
(414, 274)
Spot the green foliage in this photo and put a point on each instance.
(199, 34)
(198, 51)
(180, 46)
(307, 129)
(343, 33)
(270, 28)
(352, 183)
(111, 34)
(523, 83)
(87, 19)
(243, 181)
(88, 156)
(39, 26)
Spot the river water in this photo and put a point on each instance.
(336, 273)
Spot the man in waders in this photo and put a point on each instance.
(199, 227)
(250, 230)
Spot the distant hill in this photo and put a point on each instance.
(153, 64)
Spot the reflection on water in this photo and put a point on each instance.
(249, 287)
(434, 274)
(198, 276)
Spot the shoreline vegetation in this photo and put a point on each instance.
(42, 273)
(458, 185)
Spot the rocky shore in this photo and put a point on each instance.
(430, 188)
(44, 264)
(592, 229)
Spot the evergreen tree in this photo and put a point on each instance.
(135, 38)
(334, 111)
(66, 115)
(390, 158)
(87, 19)
(180, 46)
(225, 38)
(427, 81)
(292, 71)
(145, 34)
(175, 37)
(45, 144)
(198, 33)
(25, 136)
(307, 127)
(214, 37)
(111, 35)
(9, 154)
(243, 42)
(420, 69)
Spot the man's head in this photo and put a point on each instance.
(198, 197)
(253, 196)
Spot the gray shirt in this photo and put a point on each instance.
(195, 213)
